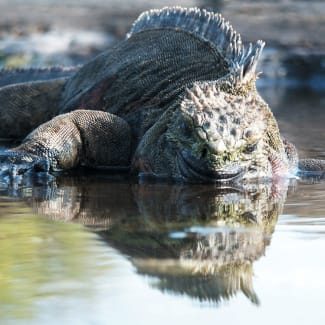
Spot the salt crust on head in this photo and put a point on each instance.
(230, 121)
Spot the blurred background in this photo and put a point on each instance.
(69, 32)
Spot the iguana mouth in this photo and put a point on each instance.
(193, 169)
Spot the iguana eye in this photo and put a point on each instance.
(250, 148)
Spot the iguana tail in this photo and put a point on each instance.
(21, 75)
(311, 166)
(24, 106)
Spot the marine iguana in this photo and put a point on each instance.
(176, 99)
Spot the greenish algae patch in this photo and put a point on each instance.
(40, 259)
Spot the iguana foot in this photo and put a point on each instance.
(81, 138)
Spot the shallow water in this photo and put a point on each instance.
(99, 250)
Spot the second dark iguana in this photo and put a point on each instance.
(176, 99)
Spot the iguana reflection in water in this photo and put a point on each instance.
(197, 240)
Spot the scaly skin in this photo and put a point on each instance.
(176, 99)
(218, 133)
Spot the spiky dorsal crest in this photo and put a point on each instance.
(209, 95)
(211, 27)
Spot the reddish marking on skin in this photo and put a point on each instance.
(279, 168)
(280, 173)
(94, 98)
(140, 103)
(279, 187)
(279, 176)
(292, 154)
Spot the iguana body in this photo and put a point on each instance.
(175, 99)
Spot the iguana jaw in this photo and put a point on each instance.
(191, 169)
(162, 158)
(184, 167)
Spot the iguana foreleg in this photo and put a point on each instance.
(23, 75)
(79, 138)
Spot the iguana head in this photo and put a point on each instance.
(217, 133)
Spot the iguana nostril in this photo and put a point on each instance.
(204, 153)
